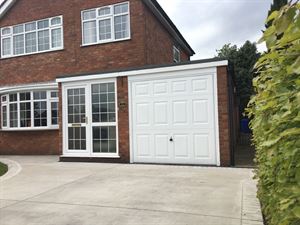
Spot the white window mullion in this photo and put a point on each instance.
(48, 109)
(18, 110)
(32, 109)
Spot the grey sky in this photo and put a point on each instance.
(209, 24)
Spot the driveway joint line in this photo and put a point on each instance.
(59, 186)
(126, 208)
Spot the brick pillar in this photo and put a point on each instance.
(223, 104)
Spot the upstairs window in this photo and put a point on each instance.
(33, 37)
(176, 54)
(30, 110)
(106, 24)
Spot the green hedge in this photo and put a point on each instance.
(275, 113)
(3, 169)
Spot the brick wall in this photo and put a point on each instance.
(223, 101)
(75, 59)
(154, 44)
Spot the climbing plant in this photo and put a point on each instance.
(275, 110)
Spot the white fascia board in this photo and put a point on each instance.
(143, 71)
(28, 87)
(5, 7)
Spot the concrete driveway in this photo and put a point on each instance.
(47, 192)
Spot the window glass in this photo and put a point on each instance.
(54, 113)
(25, 114)
(121, 27)
(6, 48)
(6, 31)
(30, 26)
(4, 98)
(56, 21)
(40, 113)
(110, 23)
(54, 94)
(90, 14)
(13, 115)
(104, 11)
(32, 37)
(89, 30)
(105, 29)
(30, 42)
(19, 44)
(25, 96)
(43, 24)
(18, 29)
(176, 54)
(4, 116)
(39, 95)
(43, 40)
(13, 97)
(122, 8)
(104, 139)
(56, 38)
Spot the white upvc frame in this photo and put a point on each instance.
(50, 28)
(176, 50)
(98, 18)
(89, 124)
(4, 104)
(32, 127)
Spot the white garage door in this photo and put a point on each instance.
(173, 120)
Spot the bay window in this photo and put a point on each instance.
(106, 24)
(30, 110)
(33, 37)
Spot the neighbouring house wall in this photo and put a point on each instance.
(159, 43)
(223, 110)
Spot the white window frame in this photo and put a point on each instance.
(32, 127)
(89, 124)
(176, 50)
(110, 16)
(50, 28)
(4, 104)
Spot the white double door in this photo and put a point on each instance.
(90, 119)
(173, 120)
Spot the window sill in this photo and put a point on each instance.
(105, 42)
(28, 129)
(30, 54)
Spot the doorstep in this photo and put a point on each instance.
(63, 158)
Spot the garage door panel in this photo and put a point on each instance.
(181, 108)
(142, 114)
(200, 111)
(180, 114)
(202, 85)
(161, 113)
(181, 146)
(143, 145)
(179, 87)
(160, 88)
(161, 142)
(142, 89)
(201, 146)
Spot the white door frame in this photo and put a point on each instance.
(89, 125)
(176, 74)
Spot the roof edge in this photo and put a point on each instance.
(197, 64)
(5, 6)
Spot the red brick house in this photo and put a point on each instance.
(108, 81)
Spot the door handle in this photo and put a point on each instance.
(171, 139)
